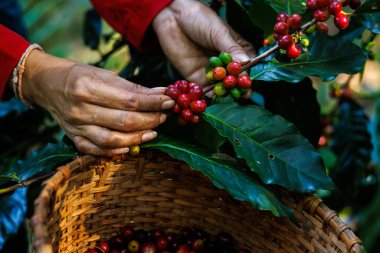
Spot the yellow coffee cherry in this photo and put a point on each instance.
(134, 150)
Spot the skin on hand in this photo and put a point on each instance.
(102, 113)
(189, 33)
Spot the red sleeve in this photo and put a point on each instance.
(131, 18)
(12, 46)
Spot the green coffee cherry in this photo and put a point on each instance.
(310, 29)
(216, 62)
(210, 76)
(243, 91)
(235, 93)
(220, 90)
(225, 57)
(305, 42)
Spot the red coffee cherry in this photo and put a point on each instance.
(335, 8)
(282, 17)
(294, 51)
(234, 68)
(195, 92)
(324, 3)
(244, 81)
(286, 41)
(355, 4)
(281, 28)
(176, 108)
(277, 36)
(183, 86)
(341, 21)
(312, 5)
(322, 15)
(229, 82)
(183, 100)
(196, 119)
(187, 115)
(219, 73)
(295, 21)
(173, 92)
(346, 2)
(198, 106)
(104, 246)
(323, 27)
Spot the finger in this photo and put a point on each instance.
(247, 47)
(87, 147)
(120, 120)
(105, 138)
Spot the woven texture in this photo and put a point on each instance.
(91, 199)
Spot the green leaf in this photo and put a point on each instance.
(327, 57)
(44, 160)
(271, 146)
(370, 6)
(288, 6)
(222, 172)
(13, 105)
(12, 213)
(263, 16)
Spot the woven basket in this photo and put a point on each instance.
(92, 198)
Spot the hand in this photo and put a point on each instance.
(190, 32)
(102, 113)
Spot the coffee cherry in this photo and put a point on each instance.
(235, 93)
(196, 119)
(192, 84)
(277, 36)
(305, 42)
(294, 51)
(244, 81)
(118, 241)
(158, 233)
(162, 242)
(210, 76)
(311, 29)
(187, 114)
(134, 150)
(197, 245)
(234, 68)
(335, 8)
(265, 42)
(346, 2)
(92, 251)
(341, 21)
(133, 246)
(225, 57)
(198, 106)
(173, 92)
(195, 92)
(229, 82)
(324, 3)
(183, 86)
(295, 21)
(142, 236)
(104, 247)
(127, 232)
(176, 108)
(355, 4)
(219, 73)
(286, 41)
(183, 100)
(148, 247)
(312, 5)
(282, 17)
(323, 27)
(281, 28)
(220, 90)
(322, 15)
(215, 62)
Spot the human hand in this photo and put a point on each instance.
(100, 112)
(190, 32)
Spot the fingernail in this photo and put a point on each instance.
(167, 104)
(148, 136)
(120, 151)
(159, 88)
(163, 117)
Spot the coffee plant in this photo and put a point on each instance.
(258, 123)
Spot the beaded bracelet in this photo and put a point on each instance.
(18, 74)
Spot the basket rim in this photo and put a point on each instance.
(310, 203)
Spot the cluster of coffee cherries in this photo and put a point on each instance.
(283, 30)
(323, 9)
(189, 102)
(188, 240)
(226, 75)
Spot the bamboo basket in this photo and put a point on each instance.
(91, 199)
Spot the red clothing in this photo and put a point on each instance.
(131, 18)
(12, 46)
